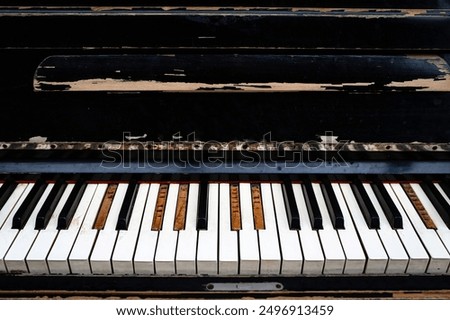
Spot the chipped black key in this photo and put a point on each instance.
(332, 204)
(202, 214)
(127, 206)
(366, 206)
(67, 212)
(8, 187)
(291, 206)
(26, 208)
(47, 209)
(313, 207)
(389, 208)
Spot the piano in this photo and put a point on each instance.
(225, 149)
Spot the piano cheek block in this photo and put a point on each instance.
(228, 151)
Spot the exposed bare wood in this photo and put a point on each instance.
(160, 207)
(99, 223)
(180, 214)
(258, 214)
(235, 207)
(419, 206)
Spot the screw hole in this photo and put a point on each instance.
(434, 147)
(278, 286)
(210, 286)
(53, 146)
(388, 147)
(245, 146)
(4, 146)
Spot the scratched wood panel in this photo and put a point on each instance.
(243, 73)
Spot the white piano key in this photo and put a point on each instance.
(15, 258)
(187, 238)
(37, 257)
(106, 238)
(122, 259)
(58, 258)
(248, 236)
(418, 256)
(376, 255)
(228, 239)
(7, 234)
(167, 239)
(291, 252)
(354, 253)
(207, 252)
(329, 238)
(268, 238)
(442, 230)
(398, 258)
(313, 258)
(147, 240)
(79, 256)
(439, 257)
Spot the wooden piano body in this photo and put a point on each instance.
(276, 95)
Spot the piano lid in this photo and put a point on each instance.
(291, 74)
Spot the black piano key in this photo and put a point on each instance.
(366, 206)
(440, 204)
(332, 204)
(8, 187)
(26, 208)
(45, 213)
(127, 206)
(445, 185)
(202, 214)
(313, 207)
(389, 208)
(291, 206)
(67, 212)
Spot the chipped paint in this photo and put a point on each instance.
(109, 84)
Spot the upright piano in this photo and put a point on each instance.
(224, 148)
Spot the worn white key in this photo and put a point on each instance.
(79, 256)
(398, 258)
(58, 258)
(15, 258)
(106, 238)
(147, 240)
(354, 253)
(439, 256)
(207, 253)
(228, 239)
(167, 239)
(314, 259)
(291, 252)
(187, 238)
(122, 259)
(329, 238)
(248, 236)
(418, 256)
(37, 257)
(268, 238)
(7, 233)
(376, 255)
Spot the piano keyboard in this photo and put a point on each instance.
(336, 225)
